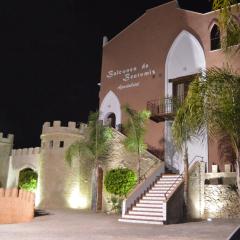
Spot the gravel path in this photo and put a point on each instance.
(79, 225)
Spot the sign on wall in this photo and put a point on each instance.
(130, 76)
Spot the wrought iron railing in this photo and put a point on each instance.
(180, 177)
(164, 107)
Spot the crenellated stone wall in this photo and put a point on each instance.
(59, 184)
(19, 160)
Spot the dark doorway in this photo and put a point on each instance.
(112, 120)
(99, 189)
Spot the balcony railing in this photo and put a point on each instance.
(164, 109)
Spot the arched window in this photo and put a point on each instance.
(215, 38)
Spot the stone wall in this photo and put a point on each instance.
(61, 185)
(196, 190)
(217, 199)
(221, 201)
(119, 157)
(19, 160)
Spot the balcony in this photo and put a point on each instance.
(164, 109)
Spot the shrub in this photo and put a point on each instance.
(28, 180)
(120, 181)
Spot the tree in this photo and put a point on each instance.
(229, 26)
(94, 147)
(135, 130)
(212, 104)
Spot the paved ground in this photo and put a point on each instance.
(77, 225)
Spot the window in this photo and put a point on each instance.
(61, 144)
(51, 144)
(215, 38)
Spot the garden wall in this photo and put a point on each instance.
(16, 206)
(213, 194)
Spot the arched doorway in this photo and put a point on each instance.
(27, 179)
(112, 120)
(185, 59)
(111, 105)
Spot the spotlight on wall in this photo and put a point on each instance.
(76, 200)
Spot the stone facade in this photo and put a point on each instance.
(212, 195)
(221, 201)
(59, 184)
(119, 157)
(196, 190)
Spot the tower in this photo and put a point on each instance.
(6, 145)
(61, 185)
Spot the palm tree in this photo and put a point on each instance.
(212, 104)
(229, 26)
(180, 129)
(135, 130)
(94, 147)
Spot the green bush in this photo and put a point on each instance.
(28, 180)
(120, 181)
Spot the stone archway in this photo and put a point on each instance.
(111, 105)
(27, 179)
(185, 58)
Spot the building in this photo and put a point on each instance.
(151, 63)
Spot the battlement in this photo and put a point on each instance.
(16, 206)
(8, 139)
(57, 127)
(26, 151)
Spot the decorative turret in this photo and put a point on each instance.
(59, 183)
(6, 144)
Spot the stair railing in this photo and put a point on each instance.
(181, 176)
(142, 188)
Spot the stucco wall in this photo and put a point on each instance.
(143, 47)
(16, 206)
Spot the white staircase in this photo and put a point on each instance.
(151, 208)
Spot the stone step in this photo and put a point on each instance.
(170, 177)
(148, 209)
(153, 198)
(140, 221)
(149, 205)
(151, 201)
(155, 194)
(157, 191)
(166, 180)
(140, 217)
(164, 187)
(144, 213)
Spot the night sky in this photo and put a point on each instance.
(51, 58)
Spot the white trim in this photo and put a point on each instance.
(111, 104)
(185, 57)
